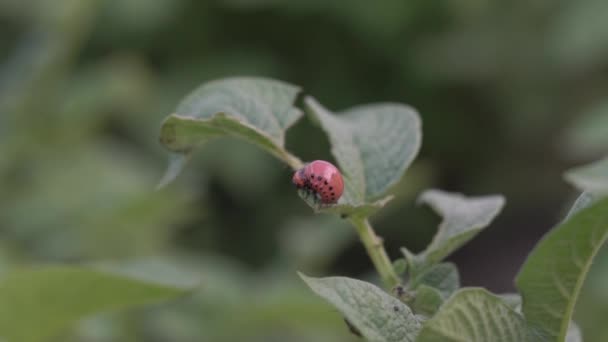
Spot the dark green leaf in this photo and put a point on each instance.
(552, 276)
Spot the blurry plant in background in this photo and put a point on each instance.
(512, 95)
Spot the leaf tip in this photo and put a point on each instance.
(177, 162)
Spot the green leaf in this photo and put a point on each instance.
(591, 178)
(444, 277)
(373, 144)
(254, 109)
(551, 278)
(474, 315)
(427, 300)
(463, 218)
(38, 303)
(377, 315)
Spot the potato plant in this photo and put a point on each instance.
(420, 298)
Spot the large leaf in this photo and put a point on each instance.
(591, 178)
(463, 218)
(377, 315)
(38, 303)
(551, 278)
(474, 315)
(373, 144)
(254, 109)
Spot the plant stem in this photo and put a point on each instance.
(375, 249)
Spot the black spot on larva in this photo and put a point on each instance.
(319, 178)
(331, 188)
(333, 194)
(312, 176)
(325, 182)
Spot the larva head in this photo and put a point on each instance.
(299, 179)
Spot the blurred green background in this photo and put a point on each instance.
(511, 94)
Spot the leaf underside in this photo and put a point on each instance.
(592, 178)
(257, 110)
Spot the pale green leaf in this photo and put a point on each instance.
(254, 109)
(379, 316)
(463, 218)
(551, 278)
(444, 277)
(373, 144)
(345, 209)
(591, 178)
(38, 303)
(474, 315)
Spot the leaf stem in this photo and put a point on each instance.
(375, 249)
(294, 162)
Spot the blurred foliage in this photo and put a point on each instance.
(511, 94)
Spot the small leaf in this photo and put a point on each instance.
(551, 278)
(474, 315)
(38, 303)
(373, 144)
(254, 109)
(592, 178)
(400, 266)
(463, 218)
(583, 201)
(427, 300)
(377, 315)
(415, 264)
(444, 277)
